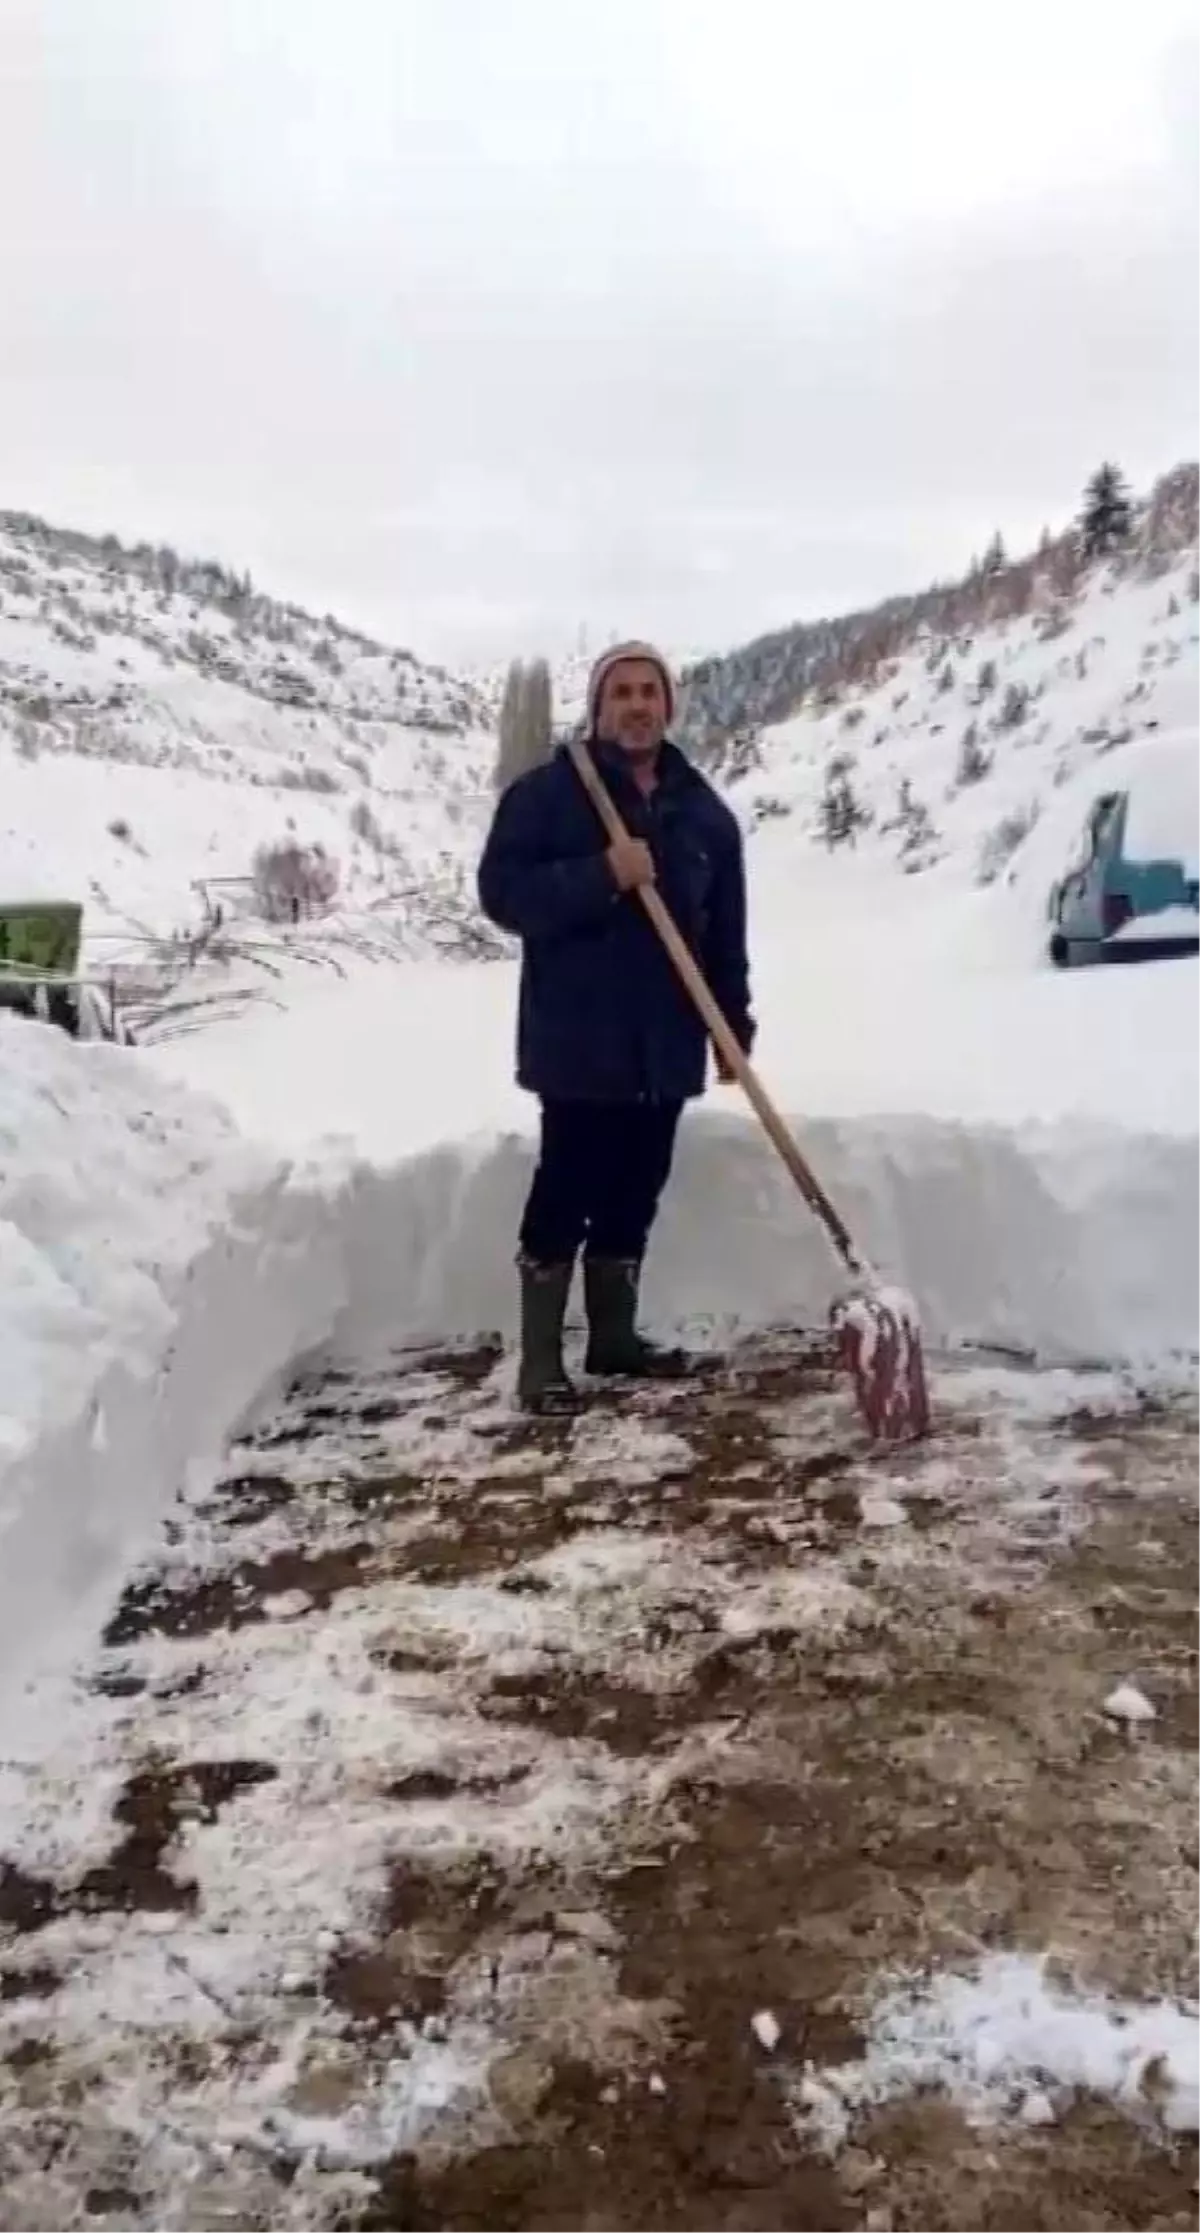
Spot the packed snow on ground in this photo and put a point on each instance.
(1007, 2042)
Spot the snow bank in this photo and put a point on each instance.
(1074, 1241)
(987, 1137)
(156, 1273)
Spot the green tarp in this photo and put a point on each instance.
(40, 936)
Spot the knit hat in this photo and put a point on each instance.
(613, 658)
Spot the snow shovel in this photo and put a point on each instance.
(877, 1328)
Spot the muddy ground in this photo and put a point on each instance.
(452, 1798)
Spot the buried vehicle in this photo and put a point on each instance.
(40, 971)
(1130, 891)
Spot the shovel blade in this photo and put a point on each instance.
(879, 1339)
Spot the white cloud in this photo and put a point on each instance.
(475, 321)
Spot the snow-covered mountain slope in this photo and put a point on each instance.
(160, 720)
(767, 681)
(946, 764)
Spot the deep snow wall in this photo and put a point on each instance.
(1073, 1240)
(159, 1275)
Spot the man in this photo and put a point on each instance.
(607, 1037)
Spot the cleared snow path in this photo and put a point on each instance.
(472, 1823)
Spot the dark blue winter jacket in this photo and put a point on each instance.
(602, 1015)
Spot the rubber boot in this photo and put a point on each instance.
(543, 1387)
(615, 1348)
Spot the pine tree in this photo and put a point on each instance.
(1106, 521)
(1014, 706)
(526, 720)
(995, 557)
(537, 714)
(973, 762)
(508, 746)
(920, 837)
(911, 819)
(841, 814)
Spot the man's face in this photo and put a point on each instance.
(633, 707)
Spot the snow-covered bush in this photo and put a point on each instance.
(293, 880)
(306, 778)
(998, 847)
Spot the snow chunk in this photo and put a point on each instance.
(1129, 1704)
(1037, 2109)
(877, 1510)
(287, 1604)
(1005, 2043)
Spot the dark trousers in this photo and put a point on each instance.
(601, 1170)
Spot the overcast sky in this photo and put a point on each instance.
(483, 321)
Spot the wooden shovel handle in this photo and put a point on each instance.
(722, 1036)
